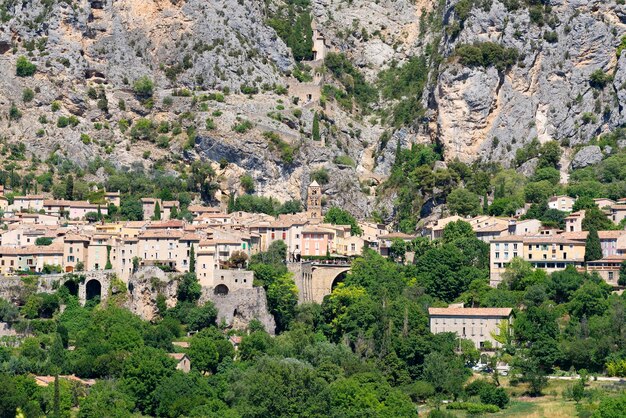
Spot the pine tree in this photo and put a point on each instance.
(192, 260)
(108, 265)
(593, 248)
(316, 128)
(622, 274)
(69, 188)
(157, 212)
(56, 404)
(485, 204)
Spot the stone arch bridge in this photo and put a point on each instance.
(86, 285)
(317, 279)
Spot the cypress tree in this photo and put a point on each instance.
(485, 204)
(69, 188)
(622, 274)
(157, 212)
(192, 260)
(56, 404)
(593, 248)
(316, 128)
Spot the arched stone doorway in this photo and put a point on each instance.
(93, 289)
(221, 290)
(72, 287)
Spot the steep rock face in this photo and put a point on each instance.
(482, 113)
(201, 46)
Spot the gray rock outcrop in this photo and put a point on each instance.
(589, 155)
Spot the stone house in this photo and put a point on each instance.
(148, 205)
(548, 252)
(607, 268)
(562, 203)
(32, 203)
(475, 324)
(183, 362)
(113, 198)
(574, 222)
(75, 250)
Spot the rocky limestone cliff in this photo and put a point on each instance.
(483, 113)
(89, 53)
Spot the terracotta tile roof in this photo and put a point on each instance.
(56, 202)
(492, 228)
(317, 230)
(618, 207)
(135, 224)
(160, 233)
(582, 235)
(616, 258)
(76, 237)
(29, 197)
(550, 239)
(170, 203)
(500, 312)
(172, 223)
(397, 235)
(576, 214)
(148, 200)
(190, 237)
(203, 209)
(177, 356)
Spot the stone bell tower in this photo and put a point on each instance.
(314, 200)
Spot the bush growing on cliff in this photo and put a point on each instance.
(352, 80)
(24, 68)
(599, 79)
(487, 54)
(143, 87)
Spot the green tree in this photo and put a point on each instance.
(550, 154)
(584, 203)
(282, 299)
(611, 407)
(622, 274)
(157, 212)
(141, 374)
(24, 68)
(203, 354)
(143, 87)
(589, 300)
(596, 219)
(446, 373)
(397, 252)
(457, 230)
(338, 216)
(189, 289)
(463, 202)
(316, 128)
(593, 247)
(106, 395)
(247, 182)
(192, 260)
(69, 187)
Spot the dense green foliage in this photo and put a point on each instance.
(292, 23)
(406, 84)
(338, 216)
(487, 54)
(352, 80)
(24, 68)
